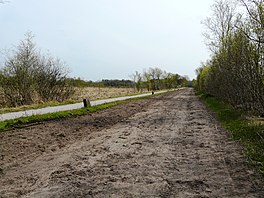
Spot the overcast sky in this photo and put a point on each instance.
(110, 39)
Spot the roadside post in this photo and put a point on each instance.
(86, 103)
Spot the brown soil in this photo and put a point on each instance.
(165, 146)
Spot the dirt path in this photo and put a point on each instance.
(167, 146)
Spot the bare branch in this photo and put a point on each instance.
(220, 24)
(248, 36)
(249, 11)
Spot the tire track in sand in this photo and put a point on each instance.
(174, 149)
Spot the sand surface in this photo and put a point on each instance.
(165, 146)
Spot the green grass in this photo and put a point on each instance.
(24, 121)
(250, 132)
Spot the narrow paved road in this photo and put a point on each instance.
(174, 148)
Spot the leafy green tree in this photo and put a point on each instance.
(235, 71)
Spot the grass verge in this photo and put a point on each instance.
(25, 121)
(250, 132)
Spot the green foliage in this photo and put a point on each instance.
(156, 79)
(235, 72)
(234, 75)
(251, 135)
(203, 77)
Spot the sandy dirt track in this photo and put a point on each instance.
(166, 146)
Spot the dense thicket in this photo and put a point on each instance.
(235, 72)
(78, 82)
(117, 83)
(29, 77)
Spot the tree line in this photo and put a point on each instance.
(235, 71)
(150, 79)
(155, 78)
(78, 82)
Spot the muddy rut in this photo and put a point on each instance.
(166, 146)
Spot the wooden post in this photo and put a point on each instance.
(84, 102)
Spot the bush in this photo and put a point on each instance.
(29, 77)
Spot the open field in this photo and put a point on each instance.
(94, 93)
(165, 146)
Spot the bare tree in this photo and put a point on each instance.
(137, 79)
(255, 25)
(30, 77)
(147, 79)
(255, 19)
(156, 79)
(17, 81)
(155, 75)
(158, 73)
(219, 25)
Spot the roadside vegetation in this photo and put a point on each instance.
(232, 81)
(30, 77)
(150, 79)
(235, 72)
(248, 130)
(31, 120)
(24, 121)
(153, 79)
